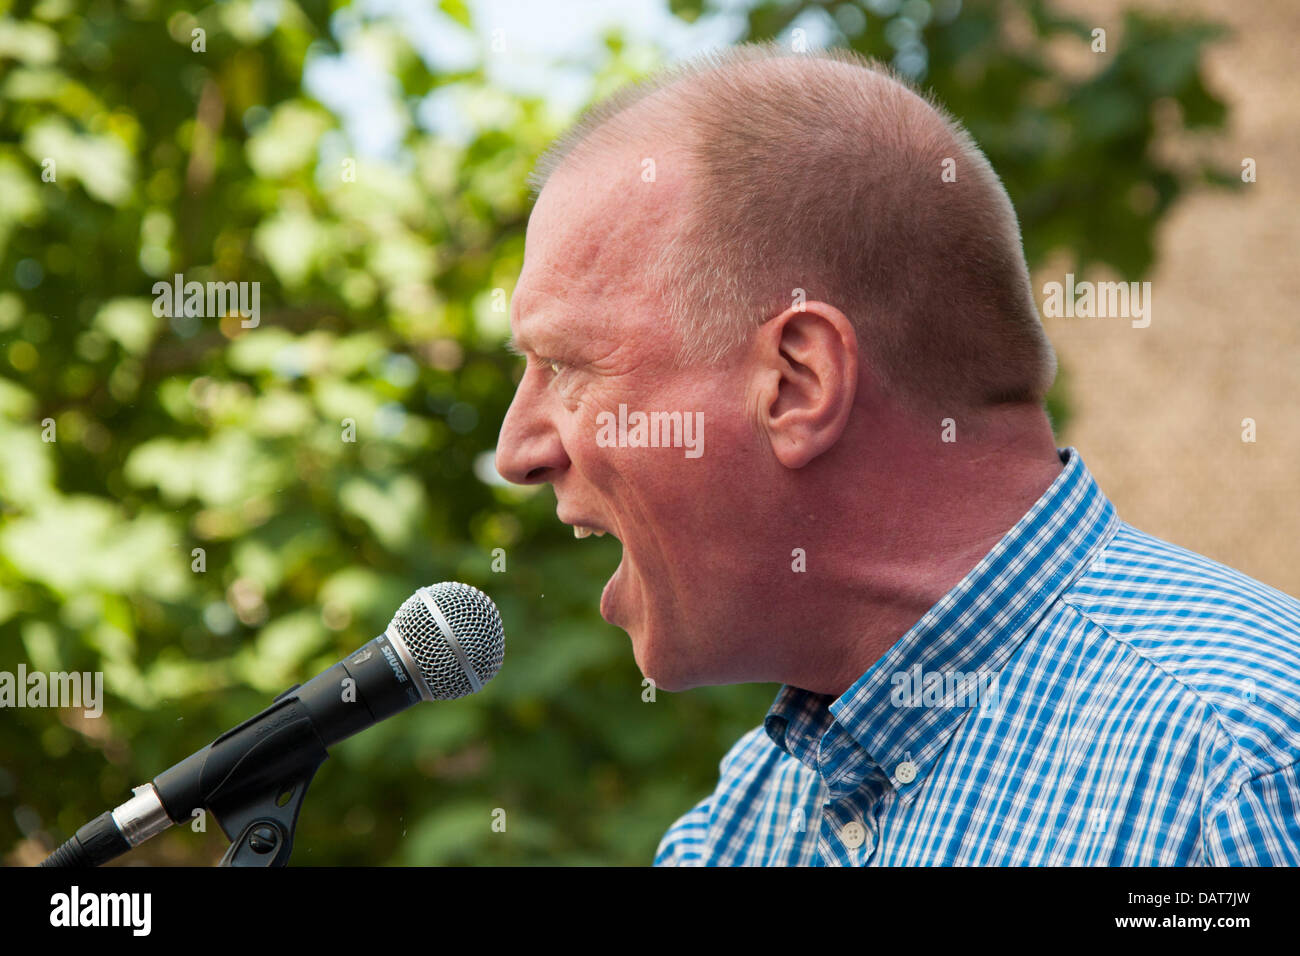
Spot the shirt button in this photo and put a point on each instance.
(853, 835)
(905, 772)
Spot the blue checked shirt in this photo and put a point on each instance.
(1087, 695)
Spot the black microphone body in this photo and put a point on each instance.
(444, 642)
(292, 734)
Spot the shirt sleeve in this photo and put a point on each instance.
(683, 844)
(1260, 825)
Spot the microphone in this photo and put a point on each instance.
(444, 642)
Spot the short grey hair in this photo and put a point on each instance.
(824, 172)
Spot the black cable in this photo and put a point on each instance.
(94, 844)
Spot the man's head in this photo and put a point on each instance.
(813, 262)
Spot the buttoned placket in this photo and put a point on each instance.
(853, 784)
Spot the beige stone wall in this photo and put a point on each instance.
(1158, 411)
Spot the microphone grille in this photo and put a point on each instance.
(476, 631)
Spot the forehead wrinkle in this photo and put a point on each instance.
(548, 331)
(526, 310)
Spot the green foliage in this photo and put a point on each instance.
(377, 307)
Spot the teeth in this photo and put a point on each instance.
(582, 531)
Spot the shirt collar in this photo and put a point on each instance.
(971, 631)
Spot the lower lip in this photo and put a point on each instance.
(607, 596)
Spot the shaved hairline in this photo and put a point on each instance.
(819, 174)
(599, 121)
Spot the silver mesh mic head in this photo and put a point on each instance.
(454, 636)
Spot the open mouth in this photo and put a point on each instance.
(585, 529)
(613, 607)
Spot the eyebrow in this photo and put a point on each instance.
(523, 346)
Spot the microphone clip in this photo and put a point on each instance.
(266, 824)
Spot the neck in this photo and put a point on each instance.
(900, 518)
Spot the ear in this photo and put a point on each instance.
(807, 379)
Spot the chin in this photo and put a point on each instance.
(672, 685)
(667, 676)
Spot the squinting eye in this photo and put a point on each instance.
(556, 367)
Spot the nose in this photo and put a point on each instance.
(529, 450)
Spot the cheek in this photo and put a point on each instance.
(696, 475)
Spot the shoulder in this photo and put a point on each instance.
(753, 750)
(744, 769)
(1210, 634)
